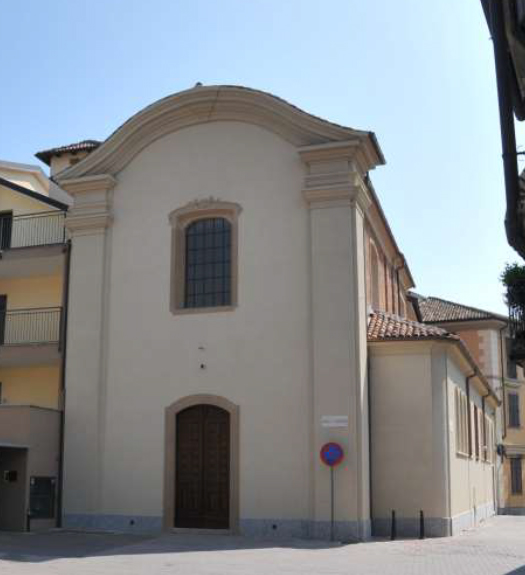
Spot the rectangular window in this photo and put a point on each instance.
(514, 409)
(476, 432)
(516, 486)
(457, 406)
(462, 425)
(512, 371)
(484, 437)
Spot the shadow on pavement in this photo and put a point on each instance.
(41, 547)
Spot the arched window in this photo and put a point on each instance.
(204, 256)
(207, 277)
(374, 277)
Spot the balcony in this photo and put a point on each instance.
(31, 230)
(30, 336)
(32, 244)
(516, 304)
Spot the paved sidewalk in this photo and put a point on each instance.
(496, 548)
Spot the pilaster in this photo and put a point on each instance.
(88, 223)
(337, 197)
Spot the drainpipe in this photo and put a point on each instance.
(508, 134)
(503, 394)
(63, 339)
(370, 491)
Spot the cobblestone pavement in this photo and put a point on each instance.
(496, 548)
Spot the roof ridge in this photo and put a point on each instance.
(478, 309)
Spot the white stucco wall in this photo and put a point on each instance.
(402, 432)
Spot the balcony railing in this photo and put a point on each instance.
(30, 326)
(40, 229)
(516, 304)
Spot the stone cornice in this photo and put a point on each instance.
(341, 188)
(218, 103)
(98, 183)
(352, 151)
(335, 175)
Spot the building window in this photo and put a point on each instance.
(514, 409)
(208, 263)
(374, 278)
(402, 307)
(476, 432)
(462, 414)
(512, 368)
(204, 257)
(516, 485)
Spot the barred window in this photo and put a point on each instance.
(516, 485)
(208, 263)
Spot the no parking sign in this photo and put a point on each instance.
(331, 454)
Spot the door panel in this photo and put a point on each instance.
(202, 490)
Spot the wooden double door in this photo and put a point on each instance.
(202, 468)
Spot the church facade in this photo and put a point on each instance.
(236, 301)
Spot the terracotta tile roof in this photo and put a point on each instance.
(83, 146)
(436, 310)
(384, 326)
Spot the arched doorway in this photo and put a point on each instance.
(201, 464)
(202, 468)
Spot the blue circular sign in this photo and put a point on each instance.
(331, 454)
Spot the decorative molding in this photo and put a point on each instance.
(97, 183)
(91, 212)
(170, 442)
(206, 104)
(340, 188)
(353, 152)
(179, 219)
(205, 207)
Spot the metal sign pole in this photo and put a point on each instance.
(332, 504)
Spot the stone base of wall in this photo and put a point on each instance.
(434, 526)
(511, 511)
(118, 523)
(344, 531)
(471, 518)
(410, 526)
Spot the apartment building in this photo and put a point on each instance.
(33, 287)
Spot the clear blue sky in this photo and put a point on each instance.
(420, 74)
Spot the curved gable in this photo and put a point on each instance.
(204, 104)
